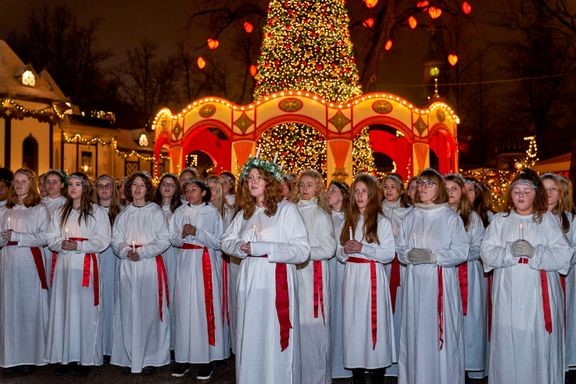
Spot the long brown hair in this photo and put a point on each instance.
(272, 195)
(147, 182)
(464, 208)
(32, 197)
(115, 205)
(560, 208)
(85, 200)
(539, 206)
(373, 209)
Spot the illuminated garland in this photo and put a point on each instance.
(306, 46)
(77, 138)
(11, 109)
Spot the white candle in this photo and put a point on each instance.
(521, 231)
(9, 226)
(414, 240)
(257, 152)
(275, 157)
(66, 233)
(253, 234)
(133, 246)
(350, 233)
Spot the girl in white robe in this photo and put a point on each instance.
(395, 205)
(108, 198)
(268, 234)
(432, 242)
(78, 232)
(23, 281)
(366, 244)
(169, 197)
(471, 278)
(527, 250)
(196, 229)
(314, 278)
(141, 315)
(339, 199)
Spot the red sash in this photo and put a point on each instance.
(208, 291)
(38, 261)
(440, 303)
(283, 304)
(463, 279)
(394, 281)
(89, 258)
(545, 296)
(373, 295)
(225, 272)
(490, 277)
(318, 289)
(162, 283)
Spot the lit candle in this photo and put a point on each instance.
(9, 227)
(275, 157)
(253, 234)
(350, 233)
(521, 231)
(66, 233)
(414, 240)
(257, 152)
(133, 246)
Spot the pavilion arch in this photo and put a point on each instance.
(339, 123)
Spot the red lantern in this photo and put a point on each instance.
(412, 22)
(213, 43)
(253, 70)
(388, 45)
(200, 62)
(370, 3)
(453, 59)
(248, 27)
(466, 8)
(368, 23)
(434, 12)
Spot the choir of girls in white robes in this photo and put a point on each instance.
(270, 236)
(169, 197)
(528, 252)
(23, 281)
(78, 231)
(141, 315)
(471, 277)
(432, 242)
(339, 199)
(366, 244)
(196, 229)
(395, 205)
(107, 196)
(314, 278)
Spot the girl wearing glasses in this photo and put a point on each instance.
(432, 242)
(528, 251)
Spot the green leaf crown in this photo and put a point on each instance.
(266, 165)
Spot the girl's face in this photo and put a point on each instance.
(256, 184)
(184, 177)
(428, 190)
(523, 199)
(53, 185)
(412, 188)
(213, 190)
(470, 192)
(307, 187)
(551, 192)
(335, 197)
(167, 188)
(226, 185)
(21, 184)
(104, 189)
(361, 196)
(194, 194)
(285, 189)
(75, 188)
(454, 193)
(138, 189)
(391, 192)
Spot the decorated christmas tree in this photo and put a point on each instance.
(307, 47)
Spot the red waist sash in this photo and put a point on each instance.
(373, 295)
(545, 296)
(318, 289)
(440, 303)
(89, 258)
(463, 279)
(394, 281)
(208, 290)
(162, 283)
(38, 261)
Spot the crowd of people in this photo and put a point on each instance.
(303, 282)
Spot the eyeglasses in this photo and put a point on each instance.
(425, 184)
(168, 185)
(104, 186)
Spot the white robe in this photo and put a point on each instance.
(75, 322)
(23, 302)
(359, 348)
(521, 350)
(108, 286)
(571, 300)
(169, 257)
(475, 321)
(337, 268)
(141, 338)
(421, 360)
(189, 309)
(52, 205)
(233, 267)
(315, 331)
(396, 214)
(282, 237)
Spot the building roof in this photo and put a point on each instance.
(11, 68)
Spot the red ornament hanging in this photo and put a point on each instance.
(466, 8)
(248, 27)
(368, 23)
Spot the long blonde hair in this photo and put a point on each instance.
(320, 192)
